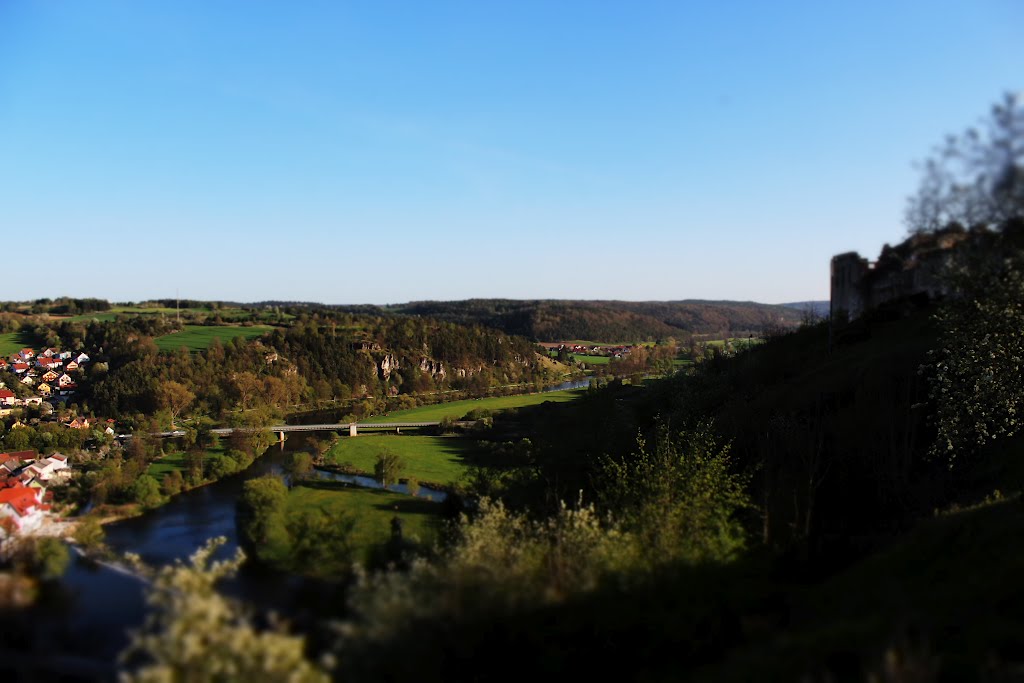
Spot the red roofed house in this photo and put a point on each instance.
(7, 397)
(79, 423)
(22, 456)
(20, 368)
(50, 376)
(49, 363)
(26, 354)
(22, 506)
(72, 365)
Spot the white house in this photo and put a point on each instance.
(49, 468)
(21, 507)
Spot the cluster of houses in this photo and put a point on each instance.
(580, 349)
(51, 374)
(24, 479)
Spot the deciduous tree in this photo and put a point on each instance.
(175, 397)
(977, 177)
(388, 467)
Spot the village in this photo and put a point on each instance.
(50, 375)
(45, 381)
(25, 498)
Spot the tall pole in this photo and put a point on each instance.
(177, 306)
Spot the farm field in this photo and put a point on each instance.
(226, 314)
(372, 510)
(583, 358)
(584, 342)
(435, 459)
(12, 342)
(457, 409)
(199, 337)
(734, 340)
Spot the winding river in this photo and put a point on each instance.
(95, 605)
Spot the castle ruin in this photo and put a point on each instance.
(911, 271)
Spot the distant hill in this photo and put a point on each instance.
(602, 321)
(818, 309)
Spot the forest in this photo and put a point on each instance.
(606, 321)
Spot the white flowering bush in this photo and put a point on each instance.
(194, 634)
(976, 375)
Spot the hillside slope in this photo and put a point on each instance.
(603, 321)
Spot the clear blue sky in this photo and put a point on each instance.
(392, 151)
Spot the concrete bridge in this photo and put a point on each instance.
(351, 427)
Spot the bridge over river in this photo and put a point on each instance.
(351, 427)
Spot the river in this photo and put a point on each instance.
(94, 605)
(90, 611)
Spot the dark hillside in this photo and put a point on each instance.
(856, 575)
(604, 321)
(835, 442)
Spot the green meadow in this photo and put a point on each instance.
(12, 342)
(592, 360)
(372, 511)
(456, 409)
(226, 314)
(435, 459)
(199, 337)
(166, 464)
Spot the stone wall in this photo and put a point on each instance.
(912, 270)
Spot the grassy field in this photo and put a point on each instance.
(582, 358)
(584, 342)
(199, 337)
(226, 314)
(736, 341)
(167, 464)
(372, 510)
(457, 409)
(592, 360)
(106, 316)
(435, 459)
(174, 461)
(12, 342)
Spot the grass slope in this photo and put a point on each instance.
(457, 409)
(199, 337)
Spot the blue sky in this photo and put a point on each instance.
(381, 152)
